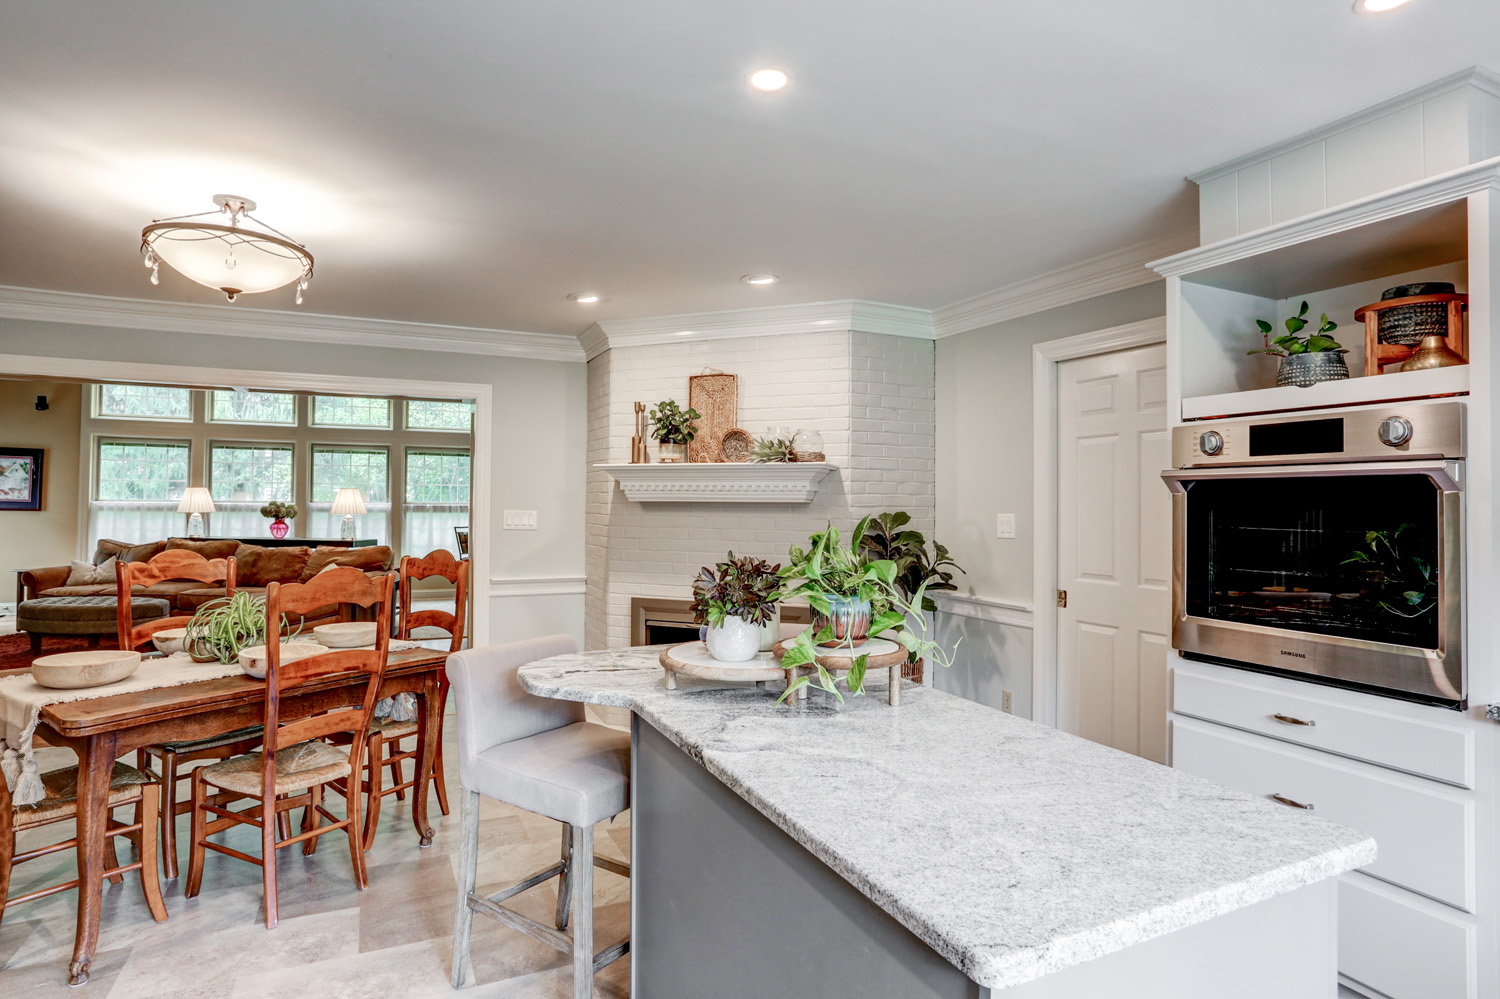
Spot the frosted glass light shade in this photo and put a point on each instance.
(196, 499)
(202, 253)
(348, 501)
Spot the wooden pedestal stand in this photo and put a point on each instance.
(692, 659)
(1378, 355)
(884, 654)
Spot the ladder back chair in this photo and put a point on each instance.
(387, 735)
(296, 762)
(127, 786)
(540, 755)
(174, 566)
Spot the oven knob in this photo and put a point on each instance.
(1395, 431)
(1211, 443)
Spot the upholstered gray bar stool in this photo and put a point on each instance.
(540, 755)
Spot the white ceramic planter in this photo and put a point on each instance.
(733, 641)
(770, 632)
(670, 452)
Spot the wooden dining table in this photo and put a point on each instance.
(103, 729)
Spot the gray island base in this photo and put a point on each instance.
(940, 849)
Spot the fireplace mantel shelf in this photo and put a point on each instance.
(726, 482)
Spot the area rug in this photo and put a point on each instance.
(15, 650)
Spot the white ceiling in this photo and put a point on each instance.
(471, 163)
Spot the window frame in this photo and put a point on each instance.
(312, 413)
(210, 418)
(314, 447)
(98, 461)
(208, 463)
(406, 418)
(97, 404)
(406, 453)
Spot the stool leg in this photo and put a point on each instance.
(462, 972)
(565, 882)
(36, 642)
(582, 866)
(150, 876)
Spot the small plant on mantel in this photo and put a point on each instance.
(736, 598)
(672, 428)
(916, 565)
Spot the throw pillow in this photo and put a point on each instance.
(89, 574)
(258, 566)
(208, 549)
(375, 558)
(127, 553)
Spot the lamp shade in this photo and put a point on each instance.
(348, 501)
(196, 499)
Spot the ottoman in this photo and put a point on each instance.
(91, 616)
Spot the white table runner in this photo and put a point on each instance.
(22, 700)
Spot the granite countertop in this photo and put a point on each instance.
(1012, 849)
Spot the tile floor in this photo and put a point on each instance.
(392, 941)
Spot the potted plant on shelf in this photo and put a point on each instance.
(280, 513)
(1305, 360)
(737, 600)
(833, 576)
(672, 428)
(916, 567)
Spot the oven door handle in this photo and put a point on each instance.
(1447, 475)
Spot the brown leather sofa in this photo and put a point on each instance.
(256, 567)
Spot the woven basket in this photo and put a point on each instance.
(1408, 324)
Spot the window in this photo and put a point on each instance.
(364, 468)
(429, 414)
(436, 498)
(238, 406)
(145, 402)
(137, 487)
(350, 411)
(242, 477)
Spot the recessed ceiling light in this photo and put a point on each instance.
(686, 332)
(770, 80)
(1376, 6)
(584, 297)
(760, 279)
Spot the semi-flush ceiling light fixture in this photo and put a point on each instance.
(769, 80)
(584, 297)
(228, 258)
(760, 279)
(1377, 6)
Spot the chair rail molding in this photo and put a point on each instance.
(538, 586)
(1011, 613)
(43, 305)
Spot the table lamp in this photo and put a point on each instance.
(349, 502)
(195, 503)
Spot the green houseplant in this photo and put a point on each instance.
(916, 565)
(672, 427)
(1305, 360)
(221, 629)
(834, 577)
(737, 600)
(280, 513)
(1406, 584)
(772, 450)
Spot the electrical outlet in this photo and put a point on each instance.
(1005, 525)
(520, 520)
(1005, 704)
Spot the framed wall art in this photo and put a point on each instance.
(20, 478)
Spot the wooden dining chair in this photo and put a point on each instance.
(127, 786)
(296, 761)
(175, 566)
(386, 736)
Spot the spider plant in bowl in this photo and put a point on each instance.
(221, 628)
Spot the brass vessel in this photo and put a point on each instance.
(1432, 352)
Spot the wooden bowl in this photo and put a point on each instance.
(253, 659)
(345, 634)
(169, 641)
(95, 668)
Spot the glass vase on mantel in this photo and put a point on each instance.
(279, 528)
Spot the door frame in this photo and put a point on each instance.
(1045, 357)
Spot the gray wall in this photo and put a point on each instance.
(984, 467)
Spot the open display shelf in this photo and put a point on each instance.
(719, 482)
(1337, 261)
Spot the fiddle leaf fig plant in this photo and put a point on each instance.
(1292, 342)
(671, 424)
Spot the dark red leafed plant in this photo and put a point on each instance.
(745, 587)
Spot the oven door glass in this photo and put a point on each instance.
(1343, 556)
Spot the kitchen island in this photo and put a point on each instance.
(941, 848)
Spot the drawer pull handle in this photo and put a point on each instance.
(1289, 802)
(1289, 720)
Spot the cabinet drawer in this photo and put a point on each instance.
(1424, 832)
(1401, 946)
(1430, 748)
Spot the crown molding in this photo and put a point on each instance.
(1127, 268)
(231, 320)
(850, 315)
(1478, 77)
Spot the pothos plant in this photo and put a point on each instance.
(746, 587)
(671, 424)
(829, 568)
(1408, 583)
(1292, 342)
(916, 565)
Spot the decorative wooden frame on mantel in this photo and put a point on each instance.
(720, 482)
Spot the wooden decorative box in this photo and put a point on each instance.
(1378, 355)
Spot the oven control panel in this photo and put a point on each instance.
(1414, 430)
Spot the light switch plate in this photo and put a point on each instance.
(520, 520)
(1005, 525)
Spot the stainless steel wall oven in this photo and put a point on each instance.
(1326, 547)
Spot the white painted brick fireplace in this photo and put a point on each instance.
(870, 395)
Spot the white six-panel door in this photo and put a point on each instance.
(1114, 558)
